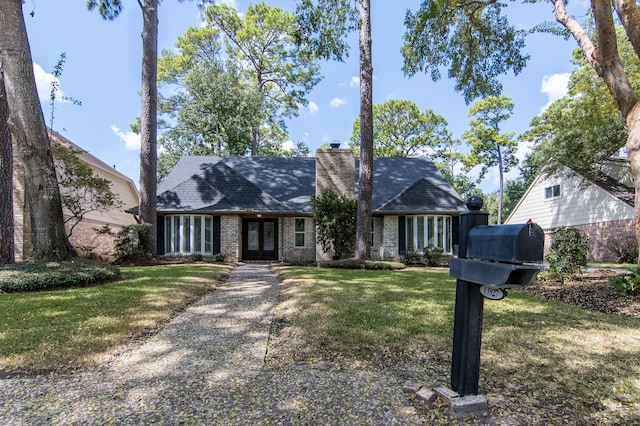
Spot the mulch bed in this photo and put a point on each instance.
(591, 291)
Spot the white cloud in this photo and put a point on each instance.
(355, 81)
(337, 102)
(555, 86)
(43, 83)
(288, 145)
(130, 139)
(232, 3)
(313, 107)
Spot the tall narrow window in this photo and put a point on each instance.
(299, 235)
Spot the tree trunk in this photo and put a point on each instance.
(6, 180)
(633, 151)
(27, 126)
(363, 224)
(149, 122)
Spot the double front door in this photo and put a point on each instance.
(259, 239)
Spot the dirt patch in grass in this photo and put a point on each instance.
(591, 291)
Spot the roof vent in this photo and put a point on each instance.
(335, 145)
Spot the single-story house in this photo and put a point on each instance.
(259, 208)
(601, 207)
(84, 237)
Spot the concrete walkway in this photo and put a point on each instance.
(207, 367)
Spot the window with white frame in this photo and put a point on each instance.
(551, 192)
(188, 234)
(428, 231)
(299, 236)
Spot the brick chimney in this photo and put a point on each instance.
(336, 170)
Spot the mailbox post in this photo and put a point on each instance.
(490, 260)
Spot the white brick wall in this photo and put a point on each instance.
(291, 253)
(230, 237)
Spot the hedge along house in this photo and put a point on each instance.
(259, 208)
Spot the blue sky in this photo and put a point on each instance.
(102, 70)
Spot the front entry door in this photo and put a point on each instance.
(259, 239)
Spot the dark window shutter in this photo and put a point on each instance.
(402, 238)
(160, 236)
(216, 235)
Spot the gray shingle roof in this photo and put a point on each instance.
(285, 184)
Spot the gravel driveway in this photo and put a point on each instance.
(207, 367)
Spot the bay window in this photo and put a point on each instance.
(188, 234)
(428, 231)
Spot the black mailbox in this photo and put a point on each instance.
(491, 259)
(522, 243)
(501, 256)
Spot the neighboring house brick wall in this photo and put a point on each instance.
(21, 216)
(599, 234)
(91, 244)
(230, 239)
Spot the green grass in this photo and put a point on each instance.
(542, 362)
(74, 327)
(608, 265)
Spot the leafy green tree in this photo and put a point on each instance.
(6, 180)
(400, 129)
(324, 25)
(29, 134)
(82, 190)
(280, 71)
(579, 132)
(477, 43)
(334, 215)
(490, 148)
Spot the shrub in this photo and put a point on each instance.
(361, 264)
(568, 253)
(39, 275)
(220, 257)
(624, 245)
(196, 257)
(131, 242)
(433, 255)
(334, 215)
(411, 257)
(628, 284)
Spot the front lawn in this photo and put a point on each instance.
(543, 362)
(74, 327)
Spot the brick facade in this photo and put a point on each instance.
(230, 237)
(21, 216)
(336, 170)
(288, 251)
(599, 234)
(385, 238)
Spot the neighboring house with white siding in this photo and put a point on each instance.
(602, 208)
(84, 237)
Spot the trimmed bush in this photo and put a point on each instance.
(41, 275)
(361, 264)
